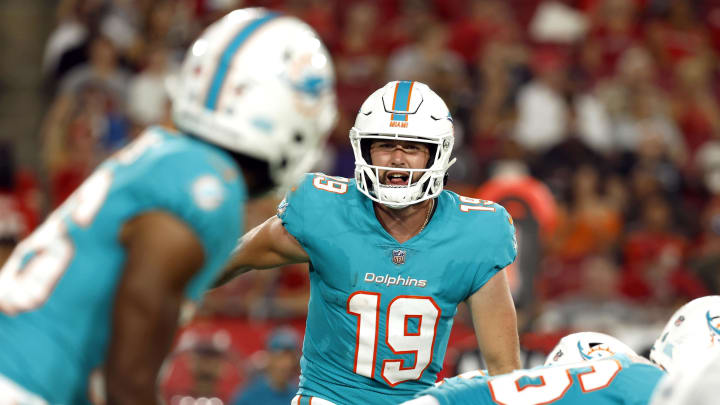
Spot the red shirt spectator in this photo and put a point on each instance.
(654, 259)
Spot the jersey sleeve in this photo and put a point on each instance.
(207, 197)
(501, 244)
(292, 210)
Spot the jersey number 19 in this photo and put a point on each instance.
(366, 307)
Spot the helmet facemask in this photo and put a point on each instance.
(429, 185)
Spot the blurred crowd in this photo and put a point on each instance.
(607, 110)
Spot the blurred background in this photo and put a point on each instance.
(596, 123)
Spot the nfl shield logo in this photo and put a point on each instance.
(398, 256)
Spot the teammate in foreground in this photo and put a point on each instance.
(98, 287)
(584, 368)
(391, 256)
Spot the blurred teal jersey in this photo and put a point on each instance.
(57, 289)
(612, 380)
(380, 311)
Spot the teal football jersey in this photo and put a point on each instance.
(380, 311)
(57, 289)
(612, 380)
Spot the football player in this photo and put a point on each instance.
(391, 256)
(584, 368)
(98, 287)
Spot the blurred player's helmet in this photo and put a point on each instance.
(583, 346)
(260, 84)
(691, 335)
(696, 385)
(403, 111)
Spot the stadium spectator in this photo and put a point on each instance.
(427, 59)
(654, 266)
(19, 205)
(484, 20)
(203, 365)
(148, 102)
(66, 46)
(705, 255)
(675, 32)
(276, 384)
(696, 106)
(615, 29)
(591, 223)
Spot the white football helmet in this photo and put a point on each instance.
(583, 346)
(260, 84)
(691, 335)
(697, 385)
(403, 111)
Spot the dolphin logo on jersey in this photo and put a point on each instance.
(208, 192)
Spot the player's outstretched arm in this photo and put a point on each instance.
(495, 321)
(266, 246)
(163, 254)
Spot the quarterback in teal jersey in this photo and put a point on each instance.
(584, 368)
(391, 256)
(95, 291)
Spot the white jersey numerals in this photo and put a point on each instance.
(337, 185)
(37, 263)
(30, 274)
(401, 310)
(546, 385)
(475, 204)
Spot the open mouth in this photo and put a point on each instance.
(396, 178)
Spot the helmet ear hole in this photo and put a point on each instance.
(432, 152)
(298, 137)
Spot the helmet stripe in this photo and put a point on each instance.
(227, 56)
(401, 99)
